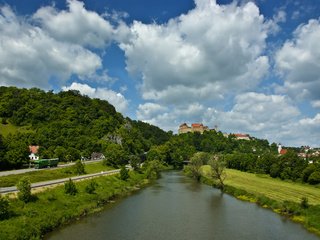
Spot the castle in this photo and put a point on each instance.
(195, 127)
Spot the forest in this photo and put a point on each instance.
(70, 126)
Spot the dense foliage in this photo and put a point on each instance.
(69, 126)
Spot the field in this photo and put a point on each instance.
(50, 174)
(259, 184)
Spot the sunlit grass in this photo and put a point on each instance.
(276, 189)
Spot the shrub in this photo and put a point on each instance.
(124, 173)
(91, 187)
(24, 188)
(4, 208)
(304, 203)
(314, 178)
(78, 168)
(70, 188)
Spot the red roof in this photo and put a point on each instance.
(34, 149)
(241, 135)
(283, 151)
(196, 125)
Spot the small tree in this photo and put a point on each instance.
(304, 203)
(24, 188)
(70, 188)
(218, 172)
(196, 161)
(91, 187)
(78, 168)
(124, 173)
(4, 208)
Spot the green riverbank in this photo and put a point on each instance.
(53, 208)
(304, 212)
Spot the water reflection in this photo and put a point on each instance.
(177, 208)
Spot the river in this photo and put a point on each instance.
(176, 207)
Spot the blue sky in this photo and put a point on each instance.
(245, 66)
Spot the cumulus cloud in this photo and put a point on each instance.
(76, 25)
(298, 62)
(116, 99)
(204, 54)
(30, 57)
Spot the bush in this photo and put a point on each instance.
(4, 208)
(91, 187)
(78, 168)
(70, 188)
(124, 173)
(24, 188)
(314, 178)
(304, 203)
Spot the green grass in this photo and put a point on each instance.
(6, 129)
(276, 189)
(280, 196)
(54, 208)
(50, 174)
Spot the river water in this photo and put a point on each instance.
(176, 207)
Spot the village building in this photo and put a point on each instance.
(97, 156)
(195, 127)
(281, 150)
(33, 152)
(241, 136)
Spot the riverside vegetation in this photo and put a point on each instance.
(32, 217)
(299, 202)
(69, 126)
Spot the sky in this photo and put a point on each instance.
(244, 66)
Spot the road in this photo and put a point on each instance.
(20, 171)
(59, 181)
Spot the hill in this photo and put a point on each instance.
(67, 125)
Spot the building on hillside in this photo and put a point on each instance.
(241, 136)
(97, 156)
(281, 151)
(195, 127)
(33, 152)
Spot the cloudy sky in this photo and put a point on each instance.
(245, 66)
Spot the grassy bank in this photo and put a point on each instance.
(280, 196)
(54, 208)
(50, 174)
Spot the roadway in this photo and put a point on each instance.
(13, 189)
(25, 170)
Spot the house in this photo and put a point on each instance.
(33, 152)
(195, 127)
(281, 151)
(241, 136)
(97, 156)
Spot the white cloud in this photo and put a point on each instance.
(76, 25)
(315, 104)
(298, 62)
(29, 57)
(116, 99)
(204, 54)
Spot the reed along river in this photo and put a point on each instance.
(176, 207)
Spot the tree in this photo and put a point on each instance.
(4, 208)
(314, 178)
(124, 173)
(91, 187)
(78, 168)
(218, 172)
(24, 188)
(115, 155)
(70, 188)
(153, 169)
(196, 161)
